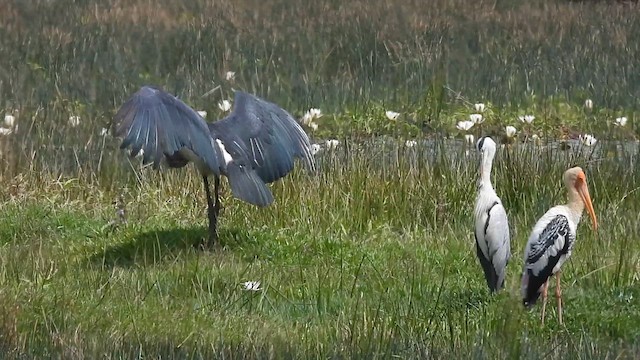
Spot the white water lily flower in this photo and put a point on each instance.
(104, 132)
(469, 139)
(479, 107)
(588, 104)
(74, 120)
(306, 119)
(9, 120)
(621, 121)
(465, 125)
(310, 115)
(410, 143)
(476, 118)
(527, 118)
(588, 140)
(225, 105)
(251, 286)
(315, 113)
(392, 115)
(313, 126)
(510, 131)
(202, 113)
(315, 148)
(332, 144)
(6, 131)
(230, 75)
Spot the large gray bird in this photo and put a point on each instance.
(254, 145)
(493, 245)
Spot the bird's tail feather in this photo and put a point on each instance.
(532, 288)
(489, 271)
(499, 280)
(493, 280)
(246, 185)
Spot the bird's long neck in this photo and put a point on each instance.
(575, 205)
(485, 170)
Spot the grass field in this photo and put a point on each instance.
(370, 257)
(360, 260)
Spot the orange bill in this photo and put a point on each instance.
(583, 190)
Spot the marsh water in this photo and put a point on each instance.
(75, 154)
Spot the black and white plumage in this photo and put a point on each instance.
(491, 225)
(552, 240)
(254, 145)
(546, 255)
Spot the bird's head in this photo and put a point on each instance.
(486, 144)
(576, 182)
(487, 149)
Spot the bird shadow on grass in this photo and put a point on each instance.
(158, 246)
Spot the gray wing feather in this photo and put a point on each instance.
(269, 136)
(494, 233)
(161, 125)
(247, 186)
(489, 271)
(498, 239)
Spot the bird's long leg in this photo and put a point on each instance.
(559, 297)
(544, 299)
(212, 212)
(216, 187)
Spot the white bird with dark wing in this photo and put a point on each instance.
(492, 228)
(254, 145)
(552, 240)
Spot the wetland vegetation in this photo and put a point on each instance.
(370, 257)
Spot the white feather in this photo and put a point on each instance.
(553, 250)
(225, 153)
(494, 244)
(491, 224)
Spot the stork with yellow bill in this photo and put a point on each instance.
(552, 240)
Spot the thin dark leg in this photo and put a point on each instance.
(212, 211)
(216, 187)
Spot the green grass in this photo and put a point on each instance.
(430, 62)
(364, 259)
(392, 53)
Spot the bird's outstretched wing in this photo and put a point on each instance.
(543, 254)
(164, 126)
(269, 136)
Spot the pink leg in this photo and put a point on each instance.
(544, 299)
(559, 297)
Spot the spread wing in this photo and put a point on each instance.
(254, 145)
(163, 126)
(269, 137)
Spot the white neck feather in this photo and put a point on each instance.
(485, 175)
